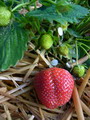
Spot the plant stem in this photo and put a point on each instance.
(50, 1)
(85, 51)
(81, 60)
(20, 5)
(77, 1)
(76, 53)
(83, 40)
(85, 45)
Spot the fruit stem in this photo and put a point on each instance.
(76, 1)
(60, 40)
(85, 45)
(76, 53)
(50, 1)
(85, 51)
(20, 5)
(83, 40)
(81, 61)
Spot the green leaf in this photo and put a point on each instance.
(46, 13)
(62, 2)
(54, 2)
(13, 43)
(84, 25)
(62, 14)
(88, 62)
(73, 32)
(2, 3)
(74, 12)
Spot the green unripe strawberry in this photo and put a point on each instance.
(63, 50)
(79, 70)
(5, 15)
(46, 41)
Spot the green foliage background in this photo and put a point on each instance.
(46, 19)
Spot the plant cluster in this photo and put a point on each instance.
(61, 27)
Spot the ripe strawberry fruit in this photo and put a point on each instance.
(46, 41)
(54, 87)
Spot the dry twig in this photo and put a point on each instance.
(77, 104)
(84, 83)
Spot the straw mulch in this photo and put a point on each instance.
(18, 100)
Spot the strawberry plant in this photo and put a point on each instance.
(44, 59)
(17, 28)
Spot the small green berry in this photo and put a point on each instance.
(46, 41)
(5, 15)
(79, 70)
(63, 50)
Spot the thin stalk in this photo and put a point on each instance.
(50, 1)
(85, 45)
(76, 1)
(83, 40)
(76, 53)
(85, 31)
(20, 5)
(85, 51)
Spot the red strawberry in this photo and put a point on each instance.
(54, 87)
